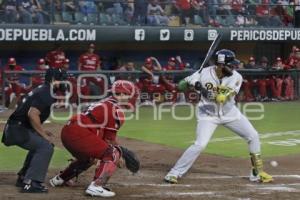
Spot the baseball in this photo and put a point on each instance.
(221, 98)
(274, 163)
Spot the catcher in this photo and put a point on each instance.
(218, 86)
(91, 138)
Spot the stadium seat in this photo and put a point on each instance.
(104, 19)
(80, 18)
(67, 17)
(174, 21)
(117, 20)
(57, 18)
(198, 20)
(92, 18)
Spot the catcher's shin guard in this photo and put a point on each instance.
(257, 174)
(75, 168)
(107, 166)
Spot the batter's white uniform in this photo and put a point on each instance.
(210, 115)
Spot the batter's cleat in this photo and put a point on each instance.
(99, 191)
(56, 181)
(34, 187)
(171, 179)
(261, 177)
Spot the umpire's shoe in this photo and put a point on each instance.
(34, 187)
(99, 191)
(19, 182)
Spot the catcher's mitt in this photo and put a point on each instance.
(131, 161)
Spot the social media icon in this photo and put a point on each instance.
(212, 34)
(164, 34)
(139, 34)
(188, 35)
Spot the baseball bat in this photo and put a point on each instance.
(211, 50)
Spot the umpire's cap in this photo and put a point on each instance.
(55, 74)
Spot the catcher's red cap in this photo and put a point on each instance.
(11, 61)
(41, 61)
(148, 61)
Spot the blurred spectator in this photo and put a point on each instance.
(264, 63)
(140, 12)
(87, 6)
(200, 8)
(11, 13)
(30, 12)
(116, 9)
(237, 7)
(38, 79)
(251, 63)
(293, 61)
(224, 7)
(90, 61)
(212, 9)
(184, 9)
(278, 64)
(46, 9)
(297, 13)
(56, 57)
(148, 82)
(127, 67)
(70, 5)
(129, 10)
(155, 14)
(289, 88)
(264, 17)
(16, 88)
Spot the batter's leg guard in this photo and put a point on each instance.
(257, 174)
(73, 170)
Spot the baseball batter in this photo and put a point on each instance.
(218, 86)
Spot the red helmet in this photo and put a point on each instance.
(11, 61)
(123, 86)
(41, 61)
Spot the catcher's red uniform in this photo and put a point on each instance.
(91, 136)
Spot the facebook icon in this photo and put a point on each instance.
(139, 35)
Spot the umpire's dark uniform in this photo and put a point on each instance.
(19, 131)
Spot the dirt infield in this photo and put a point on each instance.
(212, 177)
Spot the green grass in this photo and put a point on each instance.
(11, 158)
(278, 117)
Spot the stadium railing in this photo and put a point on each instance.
(178, 75)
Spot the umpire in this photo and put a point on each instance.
(24, 129)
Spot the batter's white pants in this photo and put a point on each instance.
(206, 126)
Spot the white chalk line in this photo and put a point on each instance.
(199, 176)
(262, 136)
(259, 189)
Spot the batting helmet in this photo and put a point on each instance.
(55, 74)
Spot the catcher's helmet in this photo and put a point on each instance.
(226, 57)
(55, 74)
(123, 86)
